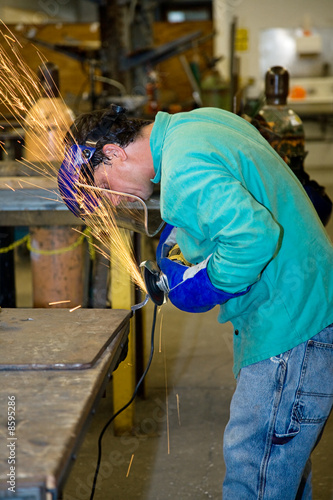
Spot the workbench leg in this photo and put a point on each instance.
(139, 320)
(99, 279)
(7, 271)
(122, 297)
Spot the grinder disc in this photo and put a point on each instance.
(151, 275)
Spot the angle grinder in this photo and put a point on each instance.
(156, 282)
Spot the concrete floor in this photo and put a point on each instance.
(177, 441)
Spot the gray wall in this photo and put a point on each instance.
(258, 15)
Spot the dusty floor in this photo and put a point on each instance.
(176, 446)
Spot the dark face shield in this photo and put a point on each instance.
(76, 167)
(97, 206)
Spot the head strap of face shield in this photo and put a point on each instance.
(104, 127)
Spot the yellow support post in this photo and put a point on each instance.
(122, 297)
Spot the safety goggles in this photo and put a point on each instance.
(94, 205)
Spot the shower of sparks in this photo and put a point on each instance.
(130, 465)
(75, 308)
(105, 233)
(59, 302)
(20, 94)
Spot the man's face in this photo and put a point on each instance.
(118, 176)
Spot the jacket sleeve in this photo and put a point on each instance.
(243, 234)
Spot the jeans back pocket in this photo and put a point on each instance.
(315, 392)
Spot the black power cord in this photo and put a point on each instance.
(125, 406)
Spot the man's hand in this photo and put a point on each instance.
(190, 288)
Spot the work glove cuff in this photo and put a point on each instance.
(167, 241)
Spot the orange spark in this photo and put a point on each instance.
(74, 308)
(14, 37)
(59, 302)
(10, 38)
(130, 465)
(160, 341)
(178, 409)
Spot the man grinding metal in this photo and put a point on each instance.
(257, 249)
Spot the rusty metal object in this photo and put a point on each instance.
(284, 130)
(60, 276)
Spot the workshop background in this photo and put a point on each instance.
(150, 55)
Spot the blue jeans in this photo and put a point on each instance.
(277, 416)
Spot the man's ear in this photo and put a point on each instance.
(112, 151)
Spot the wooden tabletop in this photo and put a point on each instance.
(53, 405)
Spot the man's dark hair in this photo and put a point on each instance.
(106, 126)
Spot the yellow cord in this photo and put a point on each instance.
(58, 251)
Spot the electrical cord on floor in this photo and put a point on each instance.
(125, 406)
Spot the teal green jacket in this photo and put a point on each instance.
(234, 198)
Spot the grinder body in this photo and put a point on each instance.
(156, 282)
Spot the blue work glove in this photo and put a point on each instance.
(190, 288)
(167, 241)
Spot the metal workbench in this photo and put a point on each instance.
(55, 366)
(28, 198)
(28, 205)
